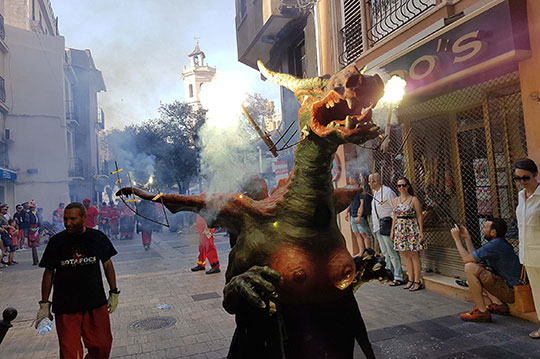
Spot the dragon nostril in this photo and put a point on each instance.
(353, 81)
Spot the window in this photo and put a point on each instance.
(297, 58)
(243, 9)
(190, 91)
(351, 32)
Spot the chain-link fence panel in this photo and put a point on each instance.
(457, 150)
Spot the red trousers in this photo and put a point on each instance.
(207, 249)
(146, 238)
(95, 328)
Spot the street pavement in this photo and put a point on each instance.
(401, 324)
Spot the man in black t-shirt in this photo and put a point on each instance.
(71, 261)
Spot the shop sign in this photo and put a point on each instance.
(499, 32)
(8, 175)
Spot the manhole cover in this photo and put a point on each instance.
(152, 323)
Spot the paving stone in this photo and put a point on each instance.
(493, 352)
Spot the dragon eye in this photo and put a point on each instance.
(340, 89)
(353, 81)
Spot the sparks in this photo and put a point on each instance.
(394, 90)
(240, 196)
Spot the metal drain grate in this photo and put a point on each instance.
(153, 323)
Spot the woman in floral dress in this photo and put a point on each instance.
(407, 232)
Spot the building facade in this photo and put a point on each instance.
(52, 116)
(470, 104)
(7, 174)
(88, 119)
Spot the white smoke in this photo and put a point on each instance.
(228, 156)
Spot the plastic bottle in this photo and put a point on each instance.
(45, 326)
(164, 306)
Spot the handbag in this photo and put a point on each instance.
(385, 225)
(524, 302)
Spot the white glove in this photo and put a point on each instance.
(207, 233)
(113, 301)
(43, 312)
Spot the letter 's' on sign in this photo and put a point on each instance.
(474, 47)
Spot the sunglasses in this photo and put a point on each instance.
(524, 178)
(402, 185)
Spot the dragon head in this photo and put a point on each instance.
(337, 108)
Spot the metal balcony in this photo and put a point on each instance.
(387, 16)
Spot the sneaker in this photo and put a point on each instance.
(462, 282)
(475, 315)
(197, 268)
(213, 270)
(501, 309)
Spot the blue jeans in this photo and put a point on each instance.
(393, 263)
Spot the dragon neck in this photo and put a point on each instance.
(310, 191)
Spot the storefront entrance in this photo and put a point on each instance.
(458, 150)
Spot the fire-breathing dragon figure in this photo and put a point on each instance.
(289, 279)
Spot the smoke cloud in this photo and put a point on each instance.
(228, 155)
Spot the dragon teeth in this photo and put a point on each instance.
(348, 122)
(349, 103)
(331, 125)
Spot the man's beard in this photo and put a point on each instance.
(488, 237)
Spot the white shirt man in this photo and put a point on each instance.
(381, 205)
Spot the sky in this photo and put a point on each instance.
(141, 47)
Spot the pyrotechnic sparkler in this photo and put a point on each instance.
(394, 90)
(135, 200)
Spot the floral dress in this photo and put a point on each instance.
(406, 230)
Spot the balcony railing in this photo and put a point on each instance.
(75, 167)
(387, 16)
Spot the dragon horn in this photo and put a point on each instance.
(291, 82)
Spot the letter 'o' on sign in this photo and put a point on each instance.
(423, 67)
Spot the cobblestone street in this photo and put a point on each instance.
(401, 324)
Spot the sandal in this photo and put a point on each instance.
(410, 283)
(396, 283)
(416, 286)
(535, 334)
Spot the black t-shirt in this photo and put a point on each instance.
(367, 204)
(78, 286)
(355, 204)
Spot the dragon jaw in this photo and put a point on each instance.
(338, 108)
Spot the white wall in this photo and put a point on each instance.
(37, 118)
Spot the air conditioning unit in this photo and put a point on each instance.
(7, 135)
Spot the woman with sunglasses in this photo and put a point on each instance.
(408, 232)
(528, 219)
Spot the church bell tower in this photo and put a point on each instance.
(195, 75)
